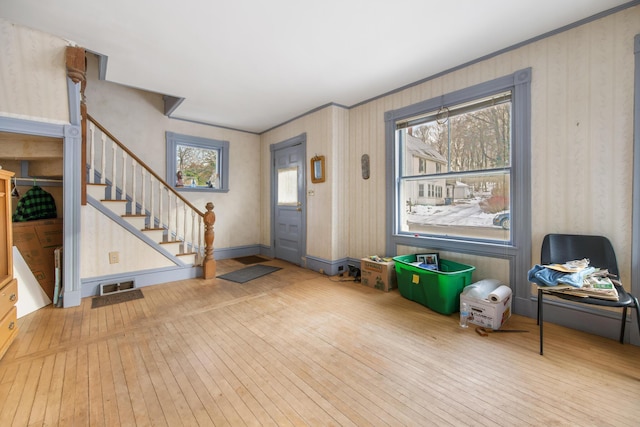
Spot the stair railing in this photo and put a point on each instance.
(128, 178)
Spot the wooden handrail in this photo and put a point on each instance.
(140, 162)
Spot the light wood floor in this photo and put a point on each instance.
(298, 348)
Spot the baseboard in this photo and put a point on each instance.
(328, 267)
(91, 286)
(71, 299)
(236, 252)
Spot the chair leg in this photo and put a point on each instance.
(540, 319)
(624, 322)
(637, 312)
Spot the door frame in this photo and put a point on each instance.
(71, 134)
(296, 140)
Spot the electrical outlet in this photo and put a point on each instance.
(114, 257)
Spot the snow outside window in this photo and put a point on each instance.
(462, 154)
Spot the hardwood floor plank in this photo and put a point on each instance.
(27, 397)
(219, 365)
(146, 361)
(125, 408)
(255, 384)
(218, 391)
(265, 379)
(176, 394)
(143, 399)
(313, 406)
(188, 381)
(107, 386)
(81, 396)
(13, 397)
(37, 411)
(67, 406)
(96, 399)
(54, 397)
(296, 348)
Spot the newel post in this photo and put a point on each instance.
(209, 263)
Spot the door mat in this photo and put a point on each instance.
(251, 259)
(249, 273)
(105, 300)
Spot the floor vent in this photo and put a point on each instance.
(114, 288)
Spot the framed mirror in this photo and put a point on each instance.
(317, 169)
(197, 164)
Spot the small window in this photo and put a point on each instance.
(197, 164)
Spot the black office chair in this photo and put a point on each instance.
(560, 248)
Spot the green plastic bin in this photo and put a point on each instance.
(439, 290)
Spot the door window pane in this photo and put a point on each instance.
(288, 186)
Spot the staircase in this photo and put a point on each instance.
(142, 202)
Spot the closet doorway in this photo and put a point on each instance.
(37, 162)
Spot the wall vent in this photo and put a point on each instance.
(113, 288)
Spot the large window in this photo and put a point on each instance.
(459, 171)
(197, 164)
(462, 153)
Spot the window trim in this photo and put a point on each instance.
(175, 139)
(518, 250)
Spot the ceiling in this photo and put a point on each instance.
(254, 64)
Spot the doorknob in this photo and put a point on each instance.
(299, 209)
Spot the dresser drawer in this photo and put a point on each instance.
(8, 297)
(8, 330)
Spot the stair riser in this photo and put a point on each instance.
(138, 221)
(188, 259)
(173, 248)
(118, 207)
(96, 191)
(155, 235)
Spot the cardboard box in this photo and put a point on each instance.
(37, 241)
(485, 313)
(379, 275)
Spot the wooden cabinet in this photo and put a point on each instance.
(8, 285)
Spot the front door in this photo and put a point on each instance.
(288, 202)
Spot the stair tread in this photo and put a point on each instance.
(134, 216)
(171, 241)
(153, 229)
(187, 253)
(113, 200)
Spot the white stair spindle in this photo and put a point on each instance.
(92, 151)
(160, 188)
(124, 178)
(134, 189)
(193, 230)
(103, 160)
(143, 178)
(177, 219)
(113, 170)
(151, 204)
(184, 226)
(169, 216)
(200, 248)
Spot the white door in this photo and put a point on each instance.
(288, 203)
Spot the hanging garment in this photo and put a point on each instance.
(36, 204)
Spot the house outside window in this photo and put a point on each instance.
(470, 143)
(475, 143)
(197, 164)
